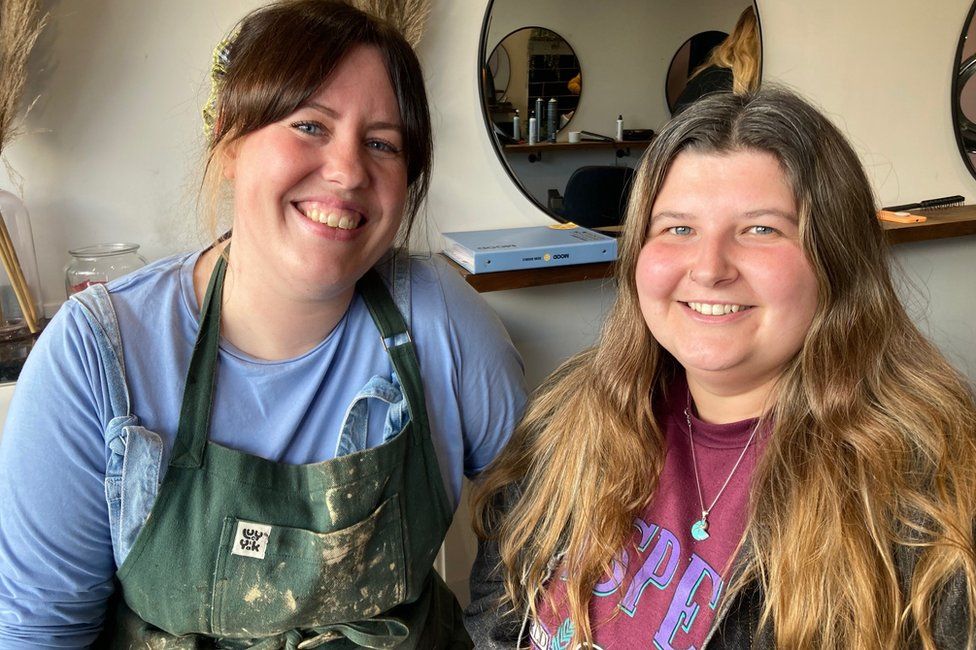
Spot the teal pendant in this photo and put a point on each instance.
(699, 530)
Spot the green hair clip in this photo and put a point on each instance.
(218, 70)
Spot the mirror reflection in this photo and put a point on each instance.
(623, 52)
(964, 92)
(544, 82)
(499, 71)
(731, 64)
(687, 60)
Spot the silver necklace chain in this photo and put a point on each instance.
(699, 529)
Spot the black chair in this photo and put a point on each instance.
(595, 196)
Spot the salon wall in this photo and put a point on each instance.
(112, 146)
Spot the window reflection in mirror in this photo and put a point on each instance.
(964, 92)
(624, 50)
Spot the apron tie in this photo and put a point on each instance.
(379, 633)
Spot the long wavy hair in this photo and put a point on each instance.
(740, 52)
(871, 446)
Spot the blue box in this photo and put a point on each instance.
(509, 249)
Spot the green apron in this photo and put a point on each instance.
(240, 552)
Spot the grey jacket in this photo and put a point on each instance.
(736, 623)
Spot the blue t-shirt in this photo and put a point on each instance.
(56, 556)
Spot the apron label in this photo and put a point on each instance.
(251, 539)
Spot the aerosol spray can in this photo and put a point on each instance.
(539, 117)
(620, 128)
(551, 121)
(516, 127)
(533, 129)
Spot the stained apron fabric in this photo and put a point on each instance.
(240, 551)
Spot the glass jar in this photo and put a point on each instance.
(99, 263)
(16, 293)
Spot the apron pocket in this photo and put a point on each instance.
(271, 579)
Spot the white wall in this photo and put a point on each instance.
(111, 152)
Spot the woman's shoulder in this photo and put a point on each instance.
(160, 292)
(435, 284)
(446, 306)
(167, 273)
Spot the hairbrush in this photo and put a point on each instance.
(928, 204)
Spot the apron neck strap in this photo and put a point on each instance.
(198, 391)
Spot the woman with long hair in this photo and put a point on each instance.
(733, 64)
(762, 450)
(261, 443)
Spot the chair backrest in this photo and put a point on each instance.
(596, 196)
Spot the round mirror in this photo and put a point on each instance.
(534, 73)
(964, 92)
(622, 57)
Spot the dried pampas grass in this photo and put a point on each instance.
(408, 16)
(20, 25)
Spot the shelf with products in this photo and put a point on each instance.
(940, 224)
(535, 151)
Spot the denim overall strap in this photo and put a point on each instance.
(396, 338)
(133, 454)
(354, 431)
(98, 311)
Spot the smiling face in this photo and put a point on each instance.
(319, 195)
(722, 281)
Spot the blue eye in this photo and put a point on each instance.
(309, 128)
(383, 146)
(762, 230)
(680, 230)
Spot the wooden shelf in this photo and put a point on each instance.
(567, 146)
(940, 224)
(503, 280)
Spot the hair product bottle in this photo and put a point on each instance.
(533, 129)
(551, 120)
(516, 127)
(620, 128)
(539, 117)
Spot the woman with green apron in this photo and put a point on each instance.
(261, 444)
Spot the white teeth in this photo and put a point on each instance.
(710, 309)
(342, 219)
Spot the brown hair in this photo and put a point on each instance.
(280, 56)
(873, 434)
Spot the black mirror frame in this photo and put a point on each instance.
(955, 91)
(496, 145)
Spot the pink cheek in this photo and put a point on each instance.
(657, 272)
